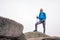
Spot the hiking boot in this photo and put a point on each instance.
(35, 31)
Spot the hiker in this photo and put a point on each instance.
(42, 19)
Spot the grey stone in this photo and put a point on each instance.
(35, 34)
(10, 28)
(21, 37)
(43, 38)
(39, 36)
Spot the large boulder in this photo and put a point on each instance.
(10, 29)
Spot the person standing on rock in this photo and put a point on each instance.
(42, 19)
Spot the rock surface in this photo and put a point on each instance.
(35, 34)
(21, 37)
(39, 36)
(10, 28)
(44, 38)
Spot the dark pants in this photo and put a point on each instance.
(43, 22)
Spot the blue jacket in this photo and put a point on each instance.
(42, 16)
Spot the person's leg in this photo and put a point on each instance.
(36, 25)
(44, 27)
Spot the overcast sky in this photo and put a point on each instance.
(25, 12)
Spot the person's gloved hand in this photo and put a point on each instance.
(43, 20)
(37, 17)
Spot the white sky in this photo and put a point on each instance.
(25, 12)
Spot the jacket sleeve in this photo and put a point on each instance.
(44, 16)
